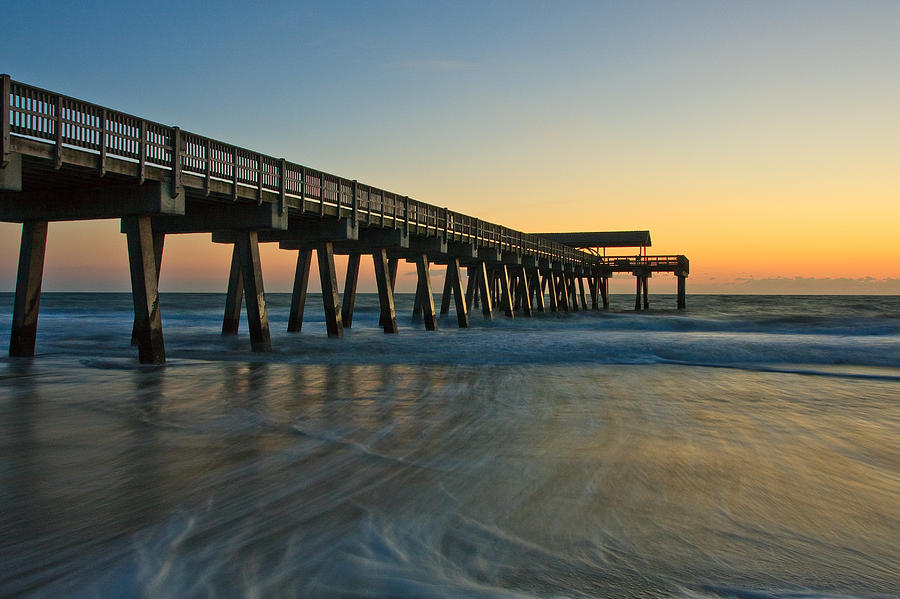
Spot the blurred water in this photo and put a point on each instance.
(749, 447)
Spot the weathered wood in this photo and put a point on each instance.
(604, 291)
(483, 291)
(646, 286)
(392, 266)
(417, 301)
(471, 286)
(298, 296)
(681, 302)
(562, 287)
(234, 297)
(426, 297)
(330, 298)
(254, 294)
(550, 280)
(80, 203)
(637, 294)
(538, 290)
(505, 297)
(385, 291)
(28, 289)
(592, 288)
(447, 292)
(581, 293)
(147, 317)
(571, 287)
(349, 299)
(462, 311)
(159, 240)
(524, 291)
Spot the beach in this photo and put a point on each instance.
(747, 447)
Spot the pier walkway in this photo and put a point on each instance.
(66, 159)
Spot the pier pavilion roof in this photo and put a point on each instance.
(601, 239)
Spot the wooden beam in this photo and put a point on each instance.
(330, 300)
(28, 288)
(147, 318)
(234, 296)
(298, 296)
(581, 293)
(388, 318)
(349, 299)
(77, 203)
(426, 297)
(254, 296)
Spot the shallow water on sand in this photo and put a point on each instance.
(746, 448)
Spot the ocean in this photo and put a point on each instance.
(748, 447)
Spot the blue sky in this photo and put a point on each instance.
(672, 116)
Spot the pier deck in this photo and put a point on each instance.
(65, 159)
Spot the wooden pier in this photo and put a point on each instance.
(65, 159)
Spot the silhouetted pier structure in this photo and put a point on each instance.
(65, 159)
(640, 265)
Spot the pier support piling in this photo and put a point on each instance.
(637, 293)
(349, 299)
(234, 296)
(537, 290)
(646, 286)
(484, 291)
(298, 296)
(159, 240)
(524, 291)
(681, 304)
(581, 293)
(425, 296)
(462, 310)
(388, 318)
(445, 295)
(505, 295)
(28, 288)
(142, 263)
(471, 287)
(330, 299)
(603, 283)
(247, 244)
(550, 280)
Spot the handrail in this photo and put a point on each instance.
(41, 114)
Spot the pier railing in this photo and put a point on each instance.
(39, 114)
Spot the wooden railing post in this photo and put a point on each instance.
(5, 90)
(142, 151)
(281, 185)
(176, 161)
(57, 151)
(103, 144)
(354, 210)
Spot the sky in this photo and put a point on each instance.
(760, 139)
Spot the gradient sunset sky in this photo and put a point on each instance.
(761, 139)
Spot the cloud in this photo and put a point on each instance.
(803, 286)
